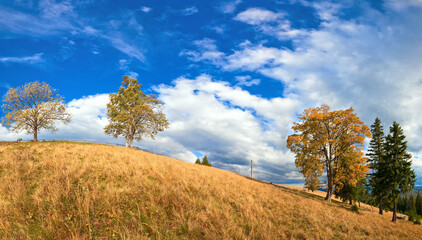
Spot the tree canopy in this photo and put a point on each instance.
(331, 141)
(133, 114)
(33, 107)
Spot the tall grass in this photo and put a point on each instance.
(81, 191)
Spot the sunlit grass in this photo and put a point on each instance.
(74, 190)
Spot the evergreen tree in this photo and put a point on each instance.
(397, 166)
(360, 193)
(419, 204)
(410, 205)
(401, 204)
(376, 152)
(198, 161)
(205, 161)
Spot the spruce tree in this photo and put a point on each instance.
(397, 166)
(205, 161)
(410, 205)
(419, 204)
(198, 161)
(376, 152)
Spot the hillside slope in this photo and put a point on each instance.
(64, 190)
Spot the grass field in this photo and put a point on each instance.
(59, 190)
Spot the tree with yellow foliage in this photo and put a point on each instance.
(33, 107)
(133, 114)
(331, 141)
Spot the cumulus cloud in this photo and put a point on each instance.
(227, 123)
(372, 63)
(256, 16)
(270, 23)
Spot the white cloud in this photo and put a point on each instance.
(403, 4)
(247, 81)
(257, 16)
(207, 51)
(230, 6)
(372, 63)
(56, 18)
(270, 23)
(227, 123)
(145, 9)
(124, 64)
(133, 74)
(189, 11)
(36, 58)
(252, 58)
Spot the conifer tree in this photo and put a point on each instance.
(205, 161)
(397, 166)
(376, 152)
(198, 161)
(419, 204)
(410, 205)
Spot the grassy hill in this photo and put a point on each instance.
(61, 190)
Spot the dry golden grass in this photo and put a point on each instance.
(79, 191)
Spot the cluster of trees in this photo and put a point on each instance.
(410, 205)
(332, 141)
(391, 174)
(204, 161)
(132, 114)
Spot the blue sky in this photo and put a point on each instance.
(233, 75)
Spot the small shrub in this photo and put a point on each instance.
(412, 216)
(355, 208)
(417, 221)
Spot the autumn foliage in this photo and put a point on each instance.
(33, 107)
(330, 141)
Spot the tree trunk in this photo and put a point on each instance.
(329, 191)
(131, 142)
(359, 203)
(35, 134)
(127, 141)
(380, 207)
(395, 212)
(350, 201)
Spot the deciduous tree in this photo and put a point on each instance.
(330, 140)
(133, 114)
(33, 107)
